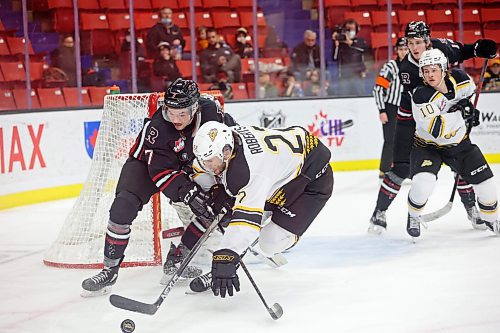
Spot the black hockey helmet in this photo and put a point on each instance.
(181, 94)
(418, 29)
(400, 42)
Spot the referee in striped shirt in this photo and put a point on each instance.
(387, 93)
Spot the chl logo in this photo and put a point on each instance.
(179, 145)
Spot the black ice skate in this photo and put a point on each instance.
(413, 226)
(201, 283)
(378, 222)
(100, 284)
(473, 216)
(493, 226)
(174, 259)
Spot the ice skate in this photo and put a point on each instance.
(493, 226)
(413, 226)
(473, 216)
(378, 222)
(174, 260)
(201, 283)
(100, 284)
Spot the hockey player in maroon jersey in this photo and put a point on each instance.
(418, 36)
(160, 160)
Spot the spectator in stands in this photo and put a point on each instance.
(218, 56)
(142, 67)
(164, 65)
(165, 31)
(202, 40)
(63, 58)
(491, 77)
(243, 47)
(305, 56)
(312, 86)
(222, 85)
(274, 46)
(292, 87)
(348, 52)
(267, 88)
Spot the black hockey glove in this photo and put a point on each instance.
(224, 277)
(466, 108)
(220, 199)
(485, 48)
(193, 196)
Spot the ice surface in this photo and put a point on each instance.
(339, 278)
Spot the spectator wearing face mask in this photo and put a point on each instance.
(165, 31)
(348, 52)
(243, 47)
(305, 56)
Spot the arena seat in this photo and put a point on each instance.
(97, 95)
(71, 96)
(440, 19)
(417, 4)
(16, 45)
(471, 18)
(145, 20)
(406, 16)
(239, 91)
(396, 4)
(364, 5)
(120, 21)
(184, 4)
(246, 18)
(51, 97)
(159, 4)
(469, 36)
(226, 19)
(55, 4)
(13, 71)
(20, 96)
(201, 19)
(215, 4)
(112, 5)
(490, 18)
(380, 20)
(140, 5)
(7, 101)
(444, 4)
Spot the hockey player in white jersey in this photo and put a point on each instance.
(280, 178)
(442, 110)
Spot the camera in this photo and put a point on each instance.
(341, 33)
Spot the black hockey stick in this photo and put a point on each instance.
(447, 208)
(150, 309)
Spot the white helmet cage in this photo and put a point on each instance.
(211, 139)
(432, 57)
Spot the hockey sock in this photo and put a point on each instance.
(421, 188)
(192, 233)
(117, 236)
(388, 190)
(466, 192)
(487, 200)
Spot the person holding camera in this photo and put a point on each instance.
(348, 52)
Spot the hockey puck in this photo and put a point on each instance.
(127, 326)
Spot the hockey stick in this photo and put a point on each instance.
(447, 208)
(150, 309)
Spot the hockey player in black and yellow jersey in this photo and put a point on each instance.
(280, 178)
(418, 37)
(443, 112)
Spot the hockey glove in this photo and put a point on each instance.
(469, 113)
(485, 48)
(193, 196)
(224, 277)
(220, 199)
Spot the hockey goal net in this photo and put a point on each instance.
(80, 243)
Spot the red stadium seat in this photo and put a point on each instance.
(471, 18)
(380, 20)
(7, 101)
(251, 89)
(187, 47)
(440, 19)
(97, 95)
(240, 3)
(335, 10)
(204, 86)
(444, 4)
(54, 4)
(239, 91)
(64, 20)
(184, 4)
(246, 18)
(51, 98)
(145, 20)
(490, 18)
(88, 4)
(472, 3)
(470, 36)
(215, 4)
(492, 34)
(380, 44)
(363, 5)
(93, 21)
(181, 20)
(71, 96)
(186, 69)
(21, 98)
(140, 4)
(159, 4)
(120, 21)
(112, 4)
(396, 4)
(444, 34)
(406, 16)
(13, 71)
(362, 18)
(36, 70)
(201, 19)
(4, 48)
(16, 45)
(226, 19)
(418, 4)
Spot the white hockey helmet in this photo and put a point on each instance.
(211, 139)
(432, 57)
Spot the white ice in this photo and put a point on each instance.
(339, 278)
